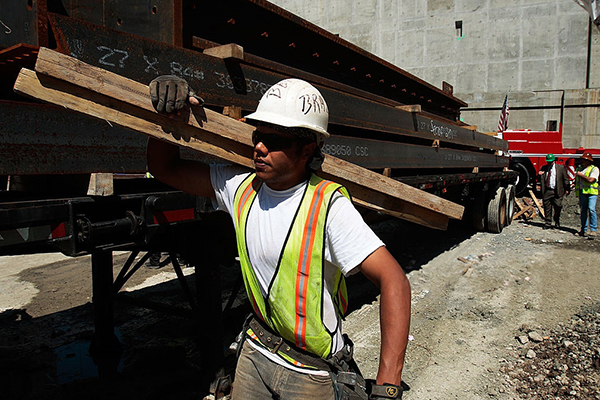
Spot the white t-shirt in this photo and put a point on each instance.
(348, 239)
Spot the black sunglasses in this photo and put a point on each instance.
(272, 141)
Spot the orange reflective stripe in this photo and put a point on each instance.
(243, 200)
(306, 247)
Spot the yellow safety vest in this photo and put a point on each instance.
(585, 186)
(293, 305)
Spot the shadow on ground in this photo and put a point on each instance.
(48, 357)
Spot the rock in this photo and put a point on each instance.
(523, 339)
(530, 354)
(536, 337)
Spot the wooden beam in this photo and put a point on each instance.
(226, 51)
(111, 97)
(537, 203)
(413, 108)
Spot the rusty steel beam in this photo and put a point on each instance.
(24, 22)
(271, 32)
(226, 82)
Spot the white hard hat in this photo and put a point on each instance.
(293, 103)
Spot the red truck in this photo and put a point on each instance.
(528, 149)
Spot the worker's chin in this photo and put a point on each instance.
(264, 174)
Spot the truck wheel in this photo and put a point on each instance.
(509, 193)
(479, 211)
(522, 179)
(496, 212)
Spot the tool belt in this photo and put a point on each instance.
(277, 344)
(348, 382)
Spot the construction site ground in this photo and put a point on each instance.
(494, 316)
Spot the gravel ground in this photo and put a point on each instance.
(494, 316)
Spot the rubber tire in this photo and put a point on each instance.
(523, 179)
(509, 193)
(479, 212)
(496, 214)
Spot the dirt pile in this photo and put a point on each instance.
(564, 364)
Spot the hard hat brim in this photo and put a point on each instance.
(277, 119)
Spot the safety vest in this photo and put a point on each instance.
(586, 187)
(293, 305)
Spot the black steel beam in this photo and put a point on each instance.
(225, 83)
(43, 139)
(375, 154)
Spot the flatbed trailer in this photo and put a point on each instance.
(381, 118)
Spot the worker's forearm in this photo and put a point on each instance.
(160, 156)
(395, 323)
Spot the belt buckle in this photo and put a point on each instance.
(276, 345)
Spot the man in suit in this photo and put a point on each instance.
(555, 184)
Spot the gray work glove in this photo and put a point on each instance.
(170, 94)
(385, 391)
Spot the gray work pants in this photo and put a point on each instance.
(258, 378)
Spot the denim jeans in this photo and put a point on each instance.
(587, 204)
(258, 378)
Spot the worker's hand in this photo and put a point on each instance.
(170, 94)
(385, 391)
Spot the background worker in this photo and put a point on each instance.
(298, 236)
(555, 184)
(586, 188)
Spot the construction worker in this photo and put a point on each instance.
(586, 188)
(555, 184)
(298, 236)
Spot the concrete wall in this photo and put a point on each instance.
(537, 51)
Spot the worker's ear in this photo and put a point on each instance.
(308, 151)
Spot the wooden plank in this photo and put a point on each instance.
(226, 51)
(523, 211)
(209, 132)
(537, 203)
(520, 205)
(413, 108)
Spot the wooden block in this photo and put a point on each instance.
(233, 112)
(225, 51)
(387, 172)
(101, 184)
(470, 127)
(436, 143)
(413, 108)
(99, 93)
(475, 170)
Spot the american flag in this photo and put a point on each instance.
(503, 122)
